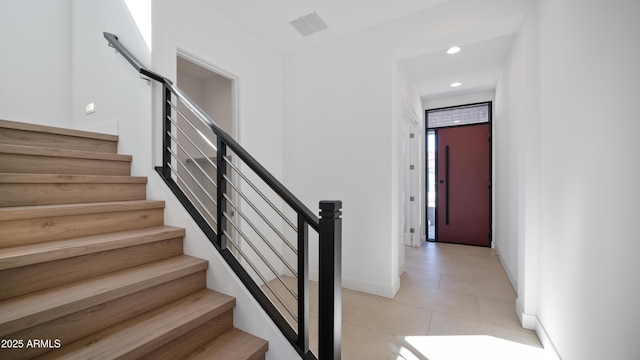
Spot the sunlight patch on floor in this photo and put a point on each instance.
(466, 347)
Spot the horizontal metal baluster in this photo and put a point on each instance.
(175, 107)
(193, 160)
(193, 177)
(192, 109)
(196, 129)
(259, 170)
(204, 207)
(194, 195)
(244, 256)
(284, 238)
(265, 261)
(263, 196)
(242, 234)
(261, 235)
(205, 156)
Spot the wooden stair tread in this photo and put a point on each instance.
(54, 250)
(234, 344)
(142, 334)
(51, 137)
(17, 178)
(38, 307)
(51, 152)
(56, 130)
(29, 212)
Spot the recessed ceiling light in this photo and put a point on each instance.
(453, 50)
(455, 84)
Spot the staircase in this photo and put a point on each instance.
(88, 270)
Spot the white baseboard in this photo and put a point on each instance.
(370, 288)
(366, 287)
(527, 321)
(531, 322)
(512, 279)
(545, 340)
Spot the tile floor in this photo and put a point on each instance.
(455, 302)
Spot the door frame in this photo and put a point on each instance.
(214, 64)
(426, 149)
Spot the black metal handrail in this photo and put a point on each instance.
(328, 226)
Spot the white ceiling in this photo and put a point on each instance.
(431, 70)
(477, 66)
(269, 19)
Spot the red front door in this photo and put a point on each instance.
(464, 182)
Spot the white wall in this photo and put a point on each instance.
(212, 38)
(338, 146)
(471, 98)
(219, 101)
(517, 167)
(507, 122)
(35, 65)
(100, 75)
(194, 88)
(589, 194)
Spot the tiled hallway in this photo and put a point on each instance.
(455, 302)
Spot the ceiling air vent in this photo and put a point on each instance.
(308, 23)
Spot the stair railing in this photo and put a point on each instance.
(260, 228)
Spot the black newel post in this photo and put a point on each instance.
(330, 281)
(303, 284)
(166, 128)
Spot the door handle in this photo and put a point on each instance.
(446, 185)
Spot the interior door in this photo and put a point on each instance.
(464, 185)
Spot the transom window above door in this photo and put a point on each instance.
(461, 115)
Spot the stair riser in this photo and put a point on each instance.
(30, 231)
(260, 356)
(36, 277)
(49, 194)
(55, 141)
(200, 336)
(37, 164)
(75, 326)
